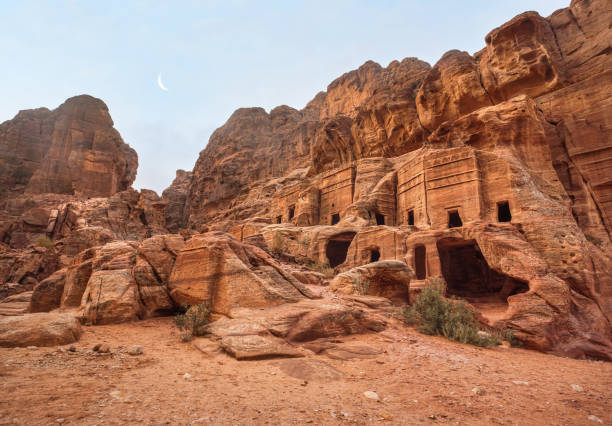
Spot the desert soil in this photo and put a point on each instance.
(418, 379)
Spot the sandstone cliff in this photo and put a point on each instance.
(517, 132)
(489, 171)
(73, 149)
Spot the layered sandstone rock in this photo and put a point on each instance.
(386, 278)
(117, 282)
(42, 329)
(220, 270)
(176, 197)
(73, 149)
(451, 89)
(489, 172)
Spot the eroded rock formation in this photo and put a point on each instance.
(491, 172)
(73, 149)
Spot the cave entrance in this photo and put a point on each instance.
(335, 218)
(380, 219)
(291, 212)
(420, 255)
(468, 276)
(411, 217)
(374, 255)
(279, 219)
(337, 248)
(454, 220)
(503, 212)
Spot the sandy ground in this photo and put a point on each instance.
(419, 379)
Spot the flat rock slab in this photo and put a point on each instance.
(41, 329)
(257, 347)
(347, 352)
(235, 327)
(374, 302)
(16, 304)
(310, 369)
(207, 347)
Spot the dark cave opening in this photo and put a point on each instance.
(335, 218)
(468, 276)
(337, 248)
(411, 217)
(380, 219)
(503, 212)
(374, 255)
(420, 256)
(454, 220)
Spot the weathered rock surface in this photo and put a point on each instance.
(257, 347)
(73, 149)
(386, 278)
(176, 197)
(17, 304)
(490, 172)
(41, 329)
(218, 269)
(451, 89)
(300, 322)
(47, 295)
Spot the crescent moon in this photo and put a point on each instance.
(160, 83)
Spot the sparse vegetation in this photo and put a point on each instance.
(508, 336)
(436, 315)
(45, 242)
(361, 286)
(322, 268)
(193, 321)
(278, 246)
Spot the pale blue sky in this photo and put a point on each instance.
(216, 56)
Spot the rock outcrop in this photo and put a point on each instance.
(401, 156)
(42, 329)
(490, 172)
(73, 149)
(176, 197)
(386, 278)
(218, 269)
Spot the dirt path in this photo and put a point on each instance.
(419, 379)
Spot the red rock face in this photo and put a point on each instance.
(517, 133)
(490, 172)
(73, 149)
(521, 57)
(451, 89)
(252, 145)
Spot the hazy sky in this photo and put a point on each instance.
(216, 56)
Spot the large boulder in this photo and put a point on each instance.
(125, 280)
(218, 269)
(386, 278)
(39, 329)
(47, 295)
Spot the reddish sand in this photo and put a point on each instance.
(419, 379)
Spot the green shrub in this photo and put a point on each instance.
(322, 268)
(45, 242)
(361, 286)
(193, 321)
(436, 315)
(508, 336)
